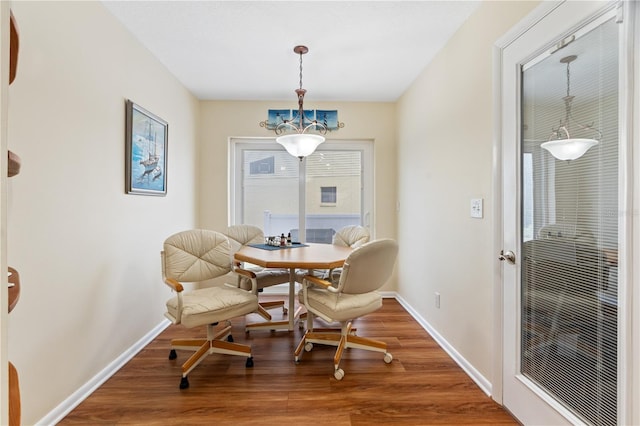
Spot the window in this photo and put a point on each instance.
(328, 195)
(328, 190)
(263, 166)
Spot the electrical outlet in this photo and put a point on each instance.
(476, 208)
(437, 300)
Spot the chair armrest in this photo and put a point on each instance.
(318, 281)
(244, 272)
(174, 284)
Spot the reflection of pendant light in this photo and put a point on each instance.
(560, 144)
(300, 143)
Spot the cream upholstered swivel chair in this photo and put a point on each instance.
(365, 270)
(194, 256)
(239, 236)
(349, 236)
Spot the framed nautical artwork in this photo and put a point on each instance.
(275, 117)
(145, 151)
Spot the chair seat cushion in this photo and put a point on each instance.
(266, 277)
(341, 306)
(320, 273)
(212, 304)
(269, 277)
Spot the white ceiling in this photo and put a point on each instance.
(243, 50)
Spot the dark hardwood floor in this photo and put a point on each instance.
(422, 385)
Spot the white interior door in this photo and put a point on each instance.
(560, 240)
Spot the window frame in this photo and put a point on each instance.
(235, 173)
(332, 192)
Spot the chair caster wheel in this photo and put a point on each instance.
(229, 338)
(173, 354)
(338, 374)
(388, 358)
(184, 383)
(249, 362)
(308, 347)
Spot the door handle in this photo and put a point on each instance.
(509, 256)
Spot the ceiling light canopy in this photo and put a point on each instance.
(294, 134)
(560, 144)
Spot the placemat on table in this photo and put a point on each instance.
(268, 247)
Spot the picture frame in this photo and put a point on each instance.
(146, 139)
(329, 118)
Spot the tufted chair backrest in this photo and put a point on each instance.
(196, 255)
(368, 267)
(351, 236)
(241, 235)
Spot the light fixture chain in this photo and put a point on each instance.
(300, 70)
(568, 79)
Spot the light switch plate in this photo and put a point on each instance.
(476, 208)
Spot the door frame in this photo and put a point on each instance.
(629, 276)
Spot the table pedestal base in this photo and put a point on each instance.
(286, 324)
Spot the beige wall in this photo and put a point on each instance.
(445, 139)
(87, 253)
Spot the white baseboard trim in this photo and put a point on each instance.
(88, 388)
(475, 375)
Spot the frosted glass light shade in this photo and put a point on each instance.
(300, 144)
(569, 149)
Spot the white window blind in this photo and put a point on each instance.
(570, 228)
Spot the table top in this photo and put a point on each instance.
(314, 256)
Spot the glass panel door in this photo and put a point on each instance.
(569, 229)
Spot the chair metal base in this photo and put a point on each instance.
(213, 344)
(342, 339)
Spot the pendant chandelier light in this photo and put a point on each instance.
(560, 143)
(294, 134)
